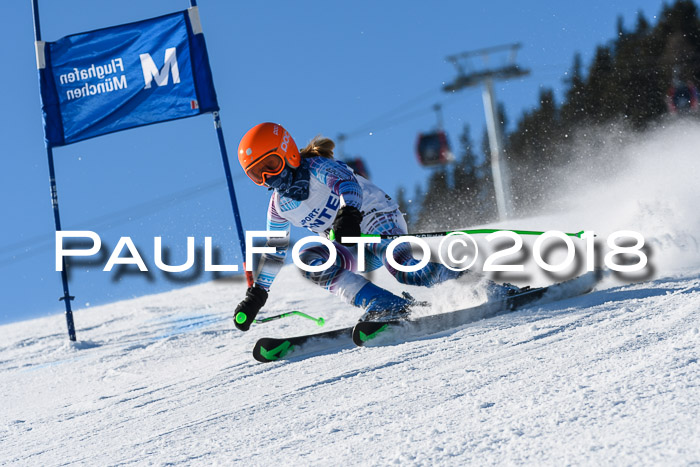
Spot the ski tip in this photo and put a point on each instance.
(270, 350)
(367, 330)
(358, 337)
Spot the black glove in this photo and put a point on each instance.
(247, 310)
(347, 223)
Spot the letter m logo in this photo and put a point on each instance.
(151, 72)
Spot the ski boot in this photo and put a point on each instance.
(514, 289)
(382, 305)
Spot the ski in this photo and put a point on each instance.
(270, 349)
(397, 330)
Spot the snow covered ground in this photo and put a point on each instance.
(611, 377)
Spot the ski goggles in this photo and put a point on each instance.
(269, 164)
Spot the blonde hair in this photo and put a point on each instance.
(318, 147)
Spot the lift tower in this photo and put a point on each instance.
(468, 76)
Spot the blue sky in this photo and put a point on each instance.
(369, 69)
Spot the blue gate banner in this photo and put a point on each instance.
(122, 77)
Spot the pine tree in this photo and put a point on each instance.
(601, 97)
(403, 204)
(416, 204)
(488, 211)
(642, 27)
(435, 210)
(466, 194)
(572, 110)
(534, 146)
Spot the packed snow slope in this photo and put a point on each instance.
(611, 377)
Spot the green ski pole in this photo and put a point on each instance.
(331, 237)
(319, 321)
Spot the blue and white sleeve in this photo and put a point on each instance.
(339, 178)
(271, 263)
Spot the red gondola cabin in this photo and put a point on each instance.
(433, 149)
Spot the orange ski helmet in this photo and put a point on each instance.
(265, 150)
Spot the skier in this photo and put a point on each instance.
(311, 189)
